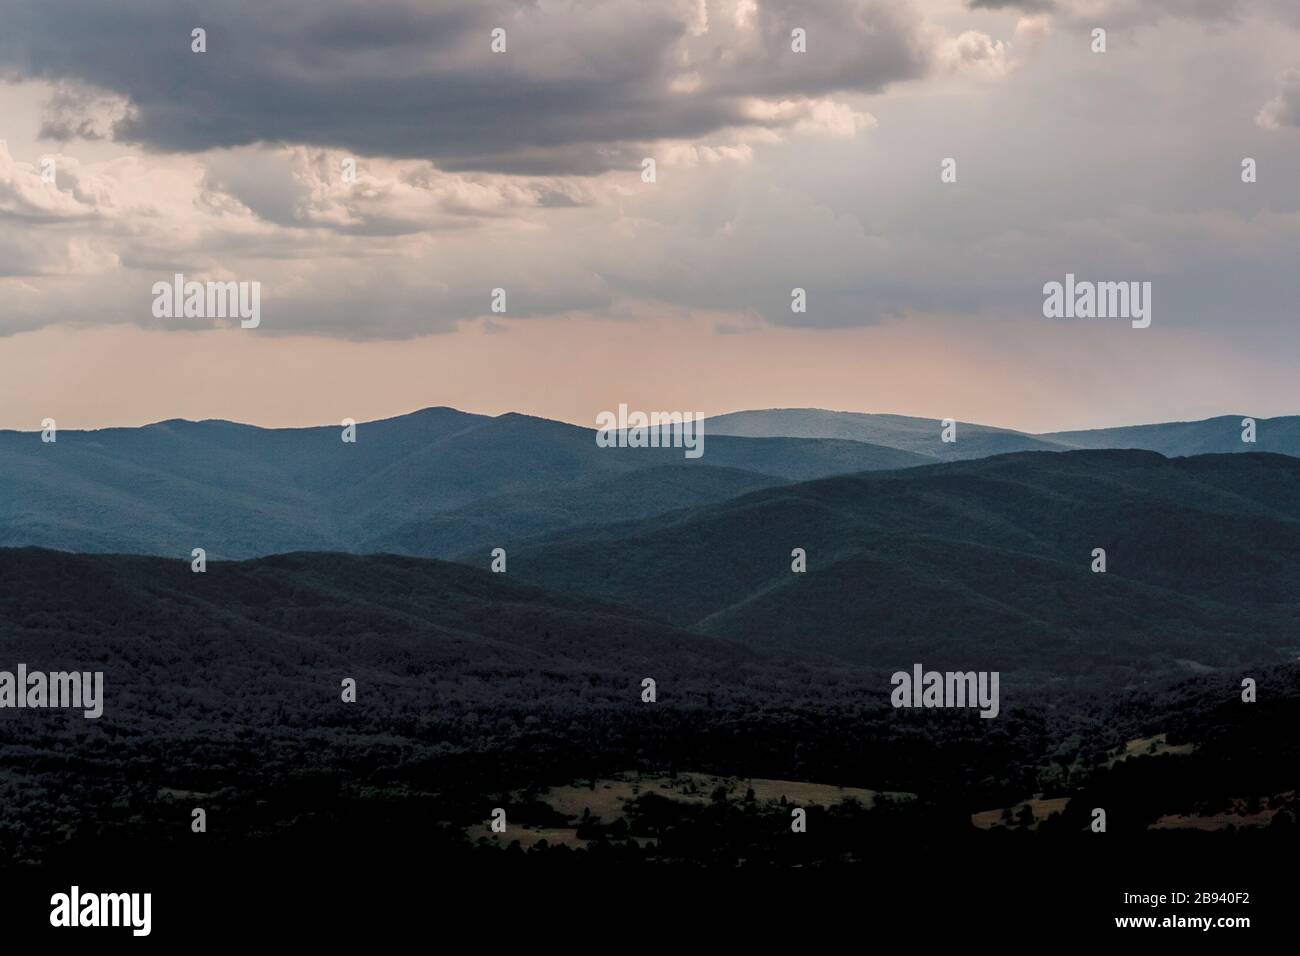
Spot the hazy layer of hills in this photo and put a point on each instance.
(1211, 436)
(981, 564)
(922, 435)
(440, 482)
(241, 491)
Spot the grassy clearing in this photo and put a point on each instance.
(607, 800)
(1242, 813)
(1149, 747)
(609, 797)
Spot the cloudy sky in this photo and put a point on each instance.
(522, 170)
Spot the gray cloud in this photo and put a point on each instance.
(1124, 13)
(1282, 110)
(1124, 166)
(1035, 6)
(579, 85)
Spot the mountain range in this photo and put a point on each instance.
(441, 482)
(240, 491)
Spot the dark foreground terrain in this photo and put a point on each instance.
(474, 693)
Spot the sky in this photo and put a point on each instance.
(128, 157)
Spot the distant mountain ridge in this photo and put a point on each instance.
(242, 491)
(441, 482)
(921, 436)
(1219, 435)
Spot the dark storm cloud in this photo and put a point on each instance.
(580, 85)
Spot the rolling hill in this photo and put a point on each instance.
(982, 564)
(269, 633)
(503, 519)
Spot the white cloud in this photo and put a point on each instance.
(1283, 109)
(974, 53)
(26, 194)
